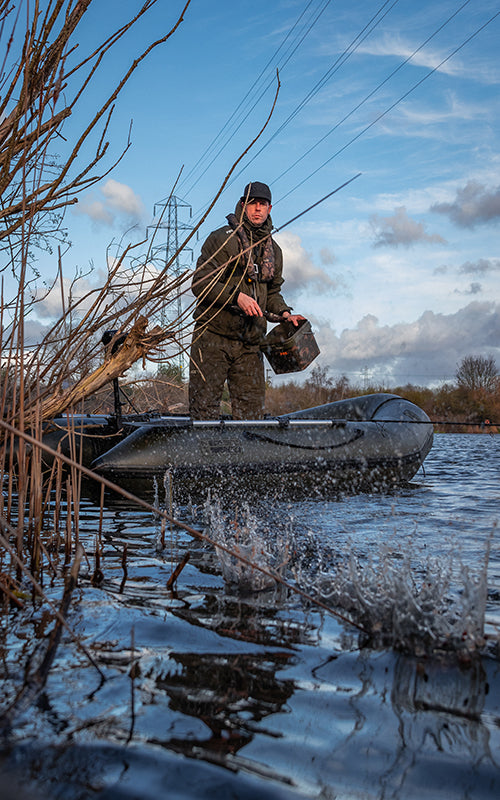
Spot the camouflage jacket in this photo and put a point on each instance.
(221, 274)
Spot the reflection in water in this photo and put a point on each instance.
(422, 726)
(229, 693)
(259, 620)
(440, 685)
(447, 701)
(439, 706)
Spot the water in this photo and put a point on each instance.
(235, 686)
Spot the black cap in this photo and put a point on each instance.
(256, 191)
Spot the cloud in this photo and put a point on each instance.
(474, 288)
(299, 270)
(122, 198)
(423, 352)
(77, 290)
(477, 68)
(450, 109)
(474, 204)
(326, 256)
(400, 229)
(392, 46)
(90, 206)
(128, 281)
(34, 331)
(114, 203)
(480, 267)
(483, 267)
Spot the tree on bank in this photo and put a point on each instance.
(476, 373)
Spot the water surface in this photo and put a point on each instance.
(217, 690)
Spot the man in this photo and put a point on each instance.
(237, 280)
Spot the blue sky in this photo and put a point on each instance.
(399, 272)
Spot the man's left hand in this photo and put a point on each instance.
(293, 318)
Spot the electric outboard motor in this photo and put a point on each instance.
(107, 338)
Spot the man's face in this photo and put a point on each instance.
(257, 211)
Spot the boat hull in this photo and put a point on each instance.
(376, 441)
(81, 437)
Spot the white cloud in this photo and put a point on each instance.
(122, 198)
(400, 229)
(300, 272)
(393, 45)
(129, 281)
(113, 204)
(452, 109)
(422, 352)
(76, 290)
(90, 206)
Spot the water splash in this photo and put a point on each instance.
(403, 598)
(247, 537)
(398, 594)
(162, 526)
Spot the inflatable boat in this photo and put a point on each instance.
(374, 441)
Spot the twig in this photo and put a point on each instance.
(124, 567)
(18, 561)
(177, 571)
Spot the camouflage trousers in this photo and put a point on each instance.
(215, 359)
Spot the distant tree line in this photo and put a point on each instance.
(467, 404)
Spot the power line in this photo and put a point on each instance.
(338, 63)
(393, 105)
(303, 33)
(377, 18)
(367, 29)
(373, 92)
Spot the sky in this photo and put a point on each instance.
(398, 271)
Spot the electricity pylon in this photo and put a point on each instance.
(169, 225)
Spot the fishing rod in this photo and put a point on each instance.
(483, 424)
(317, 203)
(245, 250)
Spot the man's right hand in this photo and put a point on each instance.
(248, 305)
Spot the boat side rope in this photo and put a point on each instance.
(357, 434)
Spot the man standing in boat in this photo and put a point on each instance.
(237, 282)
